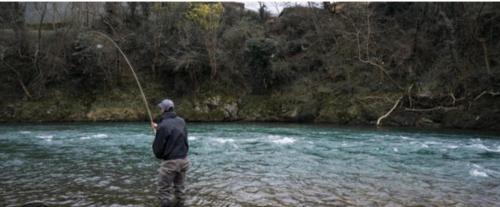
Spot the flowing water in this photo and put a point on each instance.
(111, 164)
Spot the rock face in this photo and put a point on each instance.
(282, 107)
(111, 114)
(211, 108)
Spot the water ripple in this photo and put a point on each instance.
(111, 164)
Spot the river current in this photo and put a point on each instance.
(111, 164)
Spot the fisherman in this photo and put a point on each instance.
(171, 146)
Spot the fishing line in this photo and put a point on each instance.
(133, 73)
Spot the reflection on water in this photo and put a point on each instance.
(111, 164)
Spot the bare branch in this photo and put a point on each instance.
(453, 97)
(380, 67)
(410, 100)
(379, 120)
(19, 79)
(437, 108)
(492, 93)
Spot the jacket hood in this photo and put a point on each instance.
(168, 115)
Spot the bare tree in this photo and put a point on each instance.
(38, 84)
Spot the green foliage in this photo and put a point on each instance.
(265, 68)
(193, 49)
(260, 51)
(206, 15)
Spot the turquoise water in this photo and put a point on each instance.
(111, 164)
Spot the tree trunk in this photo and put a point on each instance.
(39, 82)
(211, 44)
(17, 10)
(486, 59)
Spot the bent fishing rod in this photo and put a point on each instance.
(133, 73)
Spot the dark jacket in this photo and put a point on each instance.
(171, 138)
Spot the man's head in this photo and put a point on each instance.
(166, 105)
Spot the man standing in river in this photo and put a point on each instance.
(171, 146)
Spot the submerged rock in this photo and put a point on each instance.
(426, 123)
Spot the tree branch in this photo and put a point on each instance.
(492, 93)
(433, 109)
(368, 61)
(379, 120)
(19, 79)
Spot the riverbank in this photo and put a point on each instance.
(400, 67)
(124, 104)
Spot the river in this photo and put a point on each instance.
(249, 164)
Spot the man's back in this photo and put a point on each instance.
(171, 138)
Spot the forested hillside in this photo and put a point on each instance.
(395, 64)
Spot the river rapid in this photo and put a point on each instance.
(236, 164)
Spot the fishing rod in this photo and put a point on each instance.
(133, 73)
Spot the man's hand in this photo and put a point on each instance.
(154, 125)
